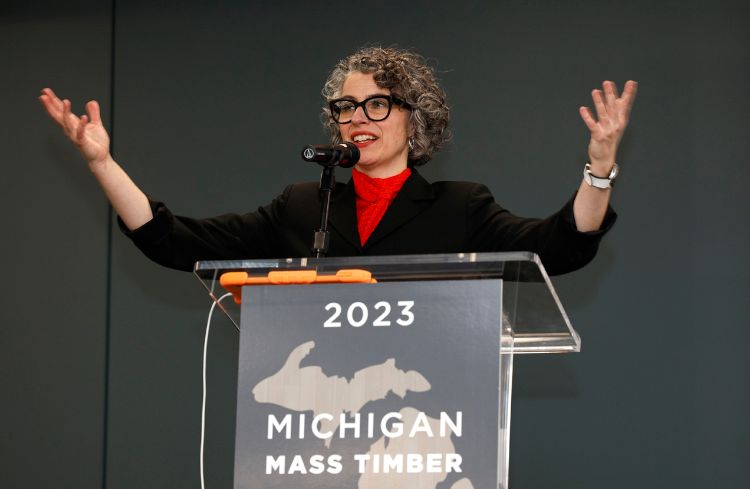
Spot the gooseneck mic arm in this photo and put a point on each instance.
(344, 155)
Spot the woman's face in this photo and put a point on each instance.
(383, 145)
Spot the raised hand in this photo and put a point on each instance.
(612, 114)
(86, 132)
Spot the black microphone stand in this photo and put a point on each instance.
(343, 154)
(321, 236)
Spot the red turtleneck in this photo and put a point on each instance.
(374, 195)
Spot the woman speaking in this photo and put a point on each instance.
(388, 103)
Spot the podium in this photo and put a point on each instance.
(402, 383)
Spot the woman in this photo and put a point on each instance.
(388, 103)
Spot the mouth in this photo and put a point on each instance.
(362, 139)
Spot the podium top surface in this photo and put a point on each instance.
(534, 320)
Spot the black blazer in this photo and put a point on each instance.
(442, 217)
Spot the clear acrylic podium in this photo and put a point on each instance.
(532, 319)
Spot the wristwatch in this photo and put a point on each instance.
(599, 182)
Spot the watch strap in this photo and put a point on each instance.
(600, 182)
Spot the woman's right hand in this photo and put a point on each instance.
(92, 140)
(86, 132)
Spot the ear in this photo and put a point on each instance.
(412, 126)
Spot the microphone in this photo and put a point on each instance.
(345, 155)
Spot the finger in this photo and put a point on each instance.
(50, 108)
(53, 99)
(588, 119)
(610, 94)
(52, 105)
(628, 94)
(70, 121)
(65, 114)
(601, 109)
(94, 113)
(81, 128)
(50, 92)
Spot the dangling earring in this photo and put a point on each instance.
(411, 144)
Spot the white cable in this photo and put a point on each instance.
(203, 408)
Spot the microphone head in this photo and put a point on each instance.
(349, 154)
(345, 155)
(316, 153)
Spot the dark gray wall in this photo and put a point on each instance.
(211, 106)
(54, 249)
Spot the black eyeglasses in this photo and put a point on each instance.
(377, 108)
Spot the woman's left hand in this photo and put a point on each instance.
(612, 113)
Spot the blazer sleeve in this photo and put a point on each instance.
(178, 242)
(557, 241)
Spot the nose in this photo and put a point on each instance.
(359, 116)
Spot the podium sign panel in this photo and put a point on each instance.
(369, 385)
(405, 383)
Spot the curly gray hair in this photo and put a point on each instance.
(406, 75)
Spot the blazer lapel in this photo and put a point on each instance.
(343, 213)
(412, 199)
